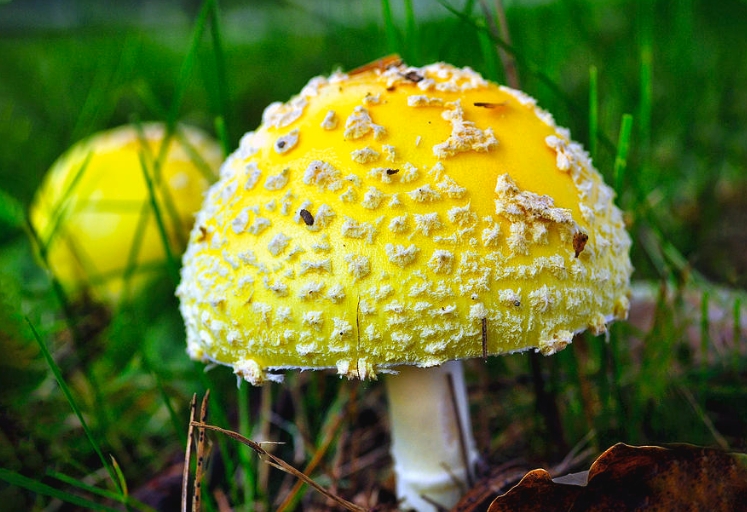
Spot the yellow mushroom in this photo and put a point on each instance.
(395, 219)
(93, 215)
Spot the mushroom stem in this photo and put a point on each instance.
(432, 444)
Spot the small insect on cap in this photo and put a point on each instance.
(93, 213)
(398, 215)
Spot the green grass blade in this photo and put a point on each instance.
(392, 38)
(57, 215)
(411, 51)
(196, 158)
(489, 55)
(189, 62)
(623, 146)
(132, 258)
(650, 242)
(248, 483)
(593, 112)
(105, 91)
(42, 489)
(176, 421)
(646, 87)
(91, 489)
(216, 31)
(122, 481)
(11, 211)
(222, 131)
(69, 396)
(171, 263)
(150, 100)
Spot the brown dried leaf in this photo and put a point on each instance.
(653, 478)
(536, 491)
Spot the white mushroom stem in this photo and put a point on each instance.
(432, 444)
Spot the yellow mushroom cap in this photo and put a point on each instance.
(401, 216)
(93, 215)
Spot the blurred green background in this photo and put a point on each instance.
(678, 69)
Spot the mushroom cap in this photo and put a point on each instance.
(92, 213)
(399, 215)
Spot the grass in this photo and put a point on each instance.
(95, 407)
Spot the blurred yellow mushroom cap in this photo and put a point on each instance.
(400, 215)
(93, 214)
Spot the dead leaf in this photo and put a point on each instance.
(628, 478)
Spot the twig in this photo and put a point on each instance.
(188, 452)
(499, 31)
(280, 464)
(462, 437)
(202, 453)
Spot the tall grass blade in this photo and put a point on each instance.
(60, 211)
(392, 39)
(623, 146)
(222, 131)
(131, 266)
(489, 55)
(645, 107)
(412, 37)
(176, 421)
(91, 489)
(188, 64)
(43, 489)
(121, 480)
(216, 31)
(248, 483)
(171, 262)
(593, 112)
(69, 396)
(104, 93)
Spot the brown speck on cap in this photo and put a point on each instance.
(412, 76)
(579, 242)
(487, 104)
(308, 219)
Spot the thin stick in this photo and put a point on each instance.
(462, 438)
(280, 464)
(499, 30)
(188, 452)
(202, 453)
